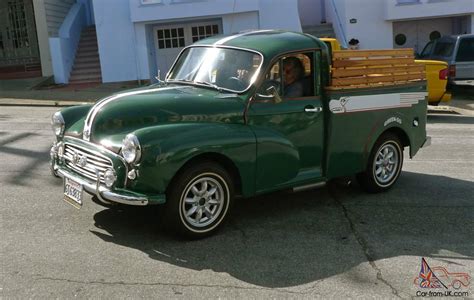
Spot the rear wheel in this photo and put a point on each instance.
(384, 164)
(199, 200)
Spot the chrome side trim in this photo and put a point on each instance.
(309, 186)
(98, 106)
(102, 193)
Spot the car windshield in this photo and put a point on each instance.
(220, 68)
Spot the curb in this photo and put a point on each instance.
(450, 110)
(43, 103)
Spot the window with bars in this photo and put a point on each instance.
(202, 32)
(19, 31)
(170, 38)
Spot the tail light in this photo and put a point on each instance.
(452, 71)
(443, 74)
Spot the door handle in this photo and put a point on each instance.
(313, 109)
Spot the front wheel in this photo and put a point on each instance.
(199, 200)
(384, 165)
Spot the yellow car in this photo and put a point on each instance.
(436, 74)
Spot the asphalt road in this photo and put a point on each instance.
(333, 242)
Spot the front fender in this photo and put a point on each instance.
(74, 118)
(166, 148)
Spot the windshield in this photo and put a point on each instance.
(220, 68)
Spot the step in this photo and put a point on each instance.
(86, 65)
(322, 26)
(83, 43)
(90, 71)
(87, 48)
(87, 59)
(89, 30)
(94, 80)
(89, 77)
(82, 54)
(89, 38)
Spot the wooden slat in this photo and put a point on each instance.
(375, 79)
(371, 53)
(337, 73)
(372, 62)
(370, 85)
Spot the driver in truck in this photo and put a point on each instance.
(293, 73)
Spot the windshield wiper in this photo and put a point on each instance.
(210, 84)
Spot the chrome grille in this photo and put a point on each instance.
(95, 161)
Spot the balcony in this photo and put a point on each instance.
(416, 9)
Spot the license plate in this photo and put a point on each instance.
(73, 193)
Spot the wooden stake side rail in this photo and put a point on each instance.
(372, 68)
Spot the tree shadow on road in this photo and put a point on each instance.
(283, 240)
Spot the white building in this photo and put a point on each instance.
(399, 23)
(125, 40)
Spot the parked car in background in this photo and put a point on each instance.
(458, 52)
(436, 74)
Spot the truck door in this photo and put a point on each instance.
(286, 116)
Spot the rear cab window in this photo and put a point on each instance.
(443, 48)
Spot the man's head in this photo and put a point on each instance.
(293, 70)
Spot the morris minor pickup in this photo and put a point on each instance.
(244, 115)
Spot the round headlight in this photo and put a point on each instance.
(131, 151)
(109, 177)
(57, 122)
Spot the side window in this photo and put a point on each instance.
(466, 50)
(292, 76)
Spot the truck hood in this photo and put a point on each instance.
(110, 119)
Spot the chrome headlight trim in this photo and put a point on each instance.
(131, 149)
(57, 123)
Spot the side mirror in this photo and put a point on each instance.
(272, 94)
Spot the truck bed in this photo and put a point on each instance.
(361, 69)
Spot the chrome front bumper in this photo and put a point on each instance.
(103, 194)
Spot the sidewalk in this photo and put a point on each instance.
(26, 92)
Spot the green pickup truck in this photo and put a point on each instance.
(237, 116)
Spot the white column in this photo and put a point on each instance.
(43, 38)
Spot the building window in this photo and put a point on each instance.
(434, 35)
(170, 38)
(202, 32)
(400, 39)
(18, 31)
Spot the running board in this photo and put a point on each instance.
(309, 186)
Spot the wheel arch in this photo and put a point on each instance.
(400, 133)
(218, 158)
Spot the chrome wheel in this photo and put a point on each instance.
(203, 200)
(386, 163)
